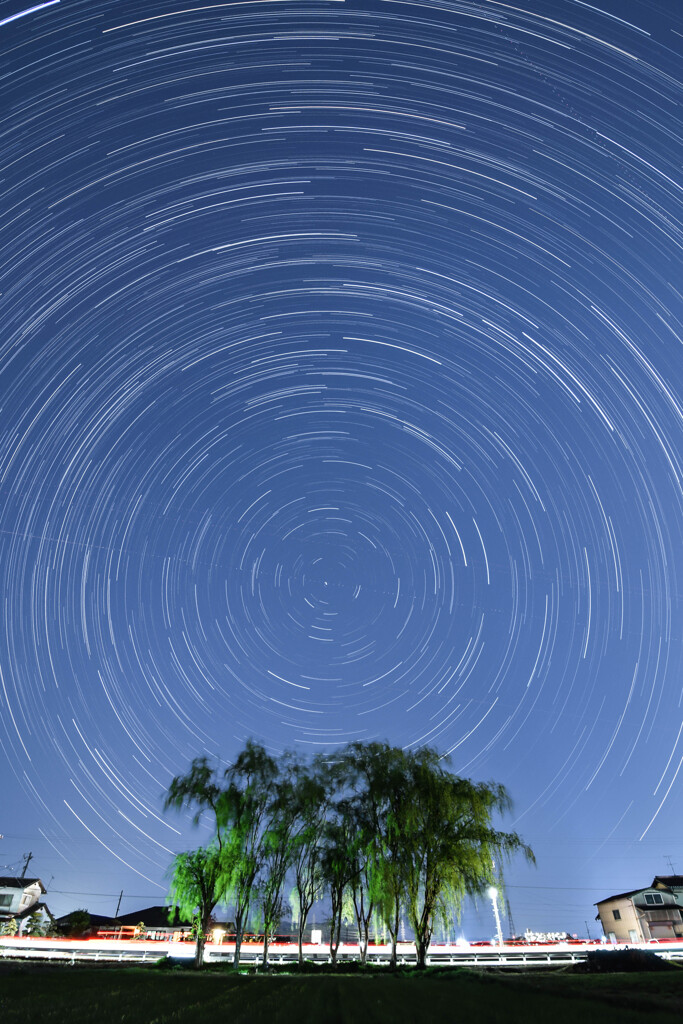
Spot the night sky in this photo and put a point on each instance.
(341, 399)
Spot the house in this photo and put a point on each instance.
(155, 921)
(655, 912)
(82, 924)
(19, 896)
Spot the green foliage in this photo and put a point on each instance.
(383, 831)
(196, 887)
(78, 924)
(35, 924)
(450, 847)
(311, 800)
(195, 882)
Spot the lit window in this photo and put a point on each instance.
(617, 915)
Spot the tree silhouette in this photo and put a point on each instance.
(376, 827)
(312, 800)
(244, 806)
(450, 848)
(196, 887)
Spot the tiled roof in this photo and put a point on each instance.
(152, 917)
(619, 896)
(12, 882)
(670, 881)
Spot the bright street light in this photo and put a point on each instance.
(492, 893)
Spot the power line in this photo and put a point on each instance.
(149, 896)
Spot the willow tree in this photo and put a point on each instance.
(243, 817)
(196, 887)
(237, 802)
(311, 797)
(338, 864)
(197, 877)
(451, 848)
(375, 779)
(278, 846)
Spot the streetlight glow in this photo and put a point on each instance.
(492, 893)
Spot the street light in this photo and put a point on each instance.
(492, 893)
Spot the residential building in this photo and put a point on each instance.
(19, 896)
(655, 912)
(155, 921)
(82, 924)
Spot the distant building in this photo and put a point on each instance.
(19, 896)
(83, 922)
(155, 921)
(655, 912)
(149, 923)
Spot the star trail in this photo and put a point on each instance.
(340, 365)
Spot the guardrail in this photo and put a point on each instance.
(141, 951)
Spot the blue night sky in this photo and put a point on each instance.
(341, 399)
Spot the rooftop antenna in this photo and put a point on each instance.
(671, 867)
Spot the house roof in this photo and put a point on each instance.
(29, 911)
(12, 882)
(620, 896)
(152, 917)
(668, 881)
(96, 920)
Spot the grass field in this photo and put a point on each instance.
(85, 993)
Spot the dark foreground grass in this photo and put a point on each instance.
(136, 995)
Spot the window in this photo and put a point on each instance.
(653, 897)
(5, 899)
(617, 915)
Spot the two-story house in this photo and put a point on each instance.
(19, 896)
(655, 912)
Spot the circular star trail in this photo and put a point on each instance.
(341, 397)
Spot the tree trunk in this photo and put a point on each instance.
(239, 928)
(393, 932)
(421, 947)
(303, 918)
(266, 940)
(393, 959)
(202, 928)
(199, 949)
(363, 924)
(333, 945)
(335, 934)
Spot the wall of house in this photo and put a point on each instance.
(627, 927)
(659, 920)
(662, 922)
(19, 899)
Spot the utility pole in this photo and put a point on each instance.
(587, 931)
(118, 905)
(511, 923)
(27, 861)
